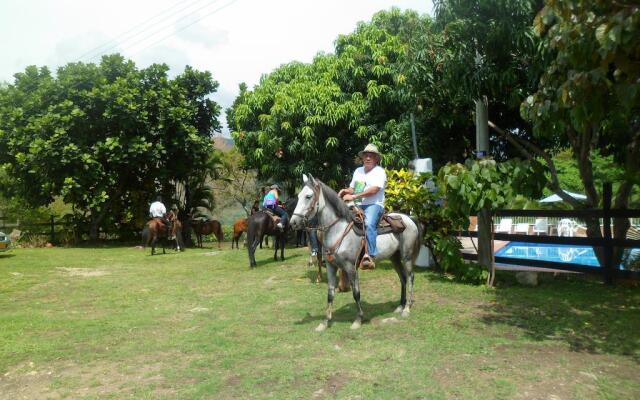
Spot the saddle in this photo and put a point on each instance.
(387, 224)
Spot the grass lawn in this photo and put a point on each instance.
(114, 322)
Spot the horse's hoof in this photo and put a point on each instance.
(321, 327)
(398, 309)
(405, 313)
(356, 325)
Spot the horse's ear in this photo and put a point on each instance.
(304, 178)
(312, 179)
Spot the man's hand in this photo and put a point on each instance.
(348, 197)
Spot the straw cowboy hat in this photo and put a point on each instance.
(370, 148)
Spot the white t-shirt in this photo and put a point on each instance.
(361, 181)
(157, 209)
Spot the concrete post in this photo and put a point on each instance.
(485, 245)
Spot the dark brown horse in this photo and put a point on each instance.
(155, 230)
(261, 224)
(207, 228)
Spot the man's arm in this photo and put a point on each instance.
(345, 191)
(368, 192)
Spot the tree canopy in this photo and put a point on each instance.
(104, 137)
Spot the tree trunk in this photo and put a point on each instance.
(485, 247)
(96, 220)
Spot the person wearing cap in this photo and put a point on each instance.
(271, 200)
(367, 191)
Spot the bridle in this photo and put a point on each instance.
(314, 206)
(315, 200)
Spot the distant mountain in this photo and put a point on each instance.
(223, 143)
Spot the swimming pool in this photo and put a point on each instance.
(550, 252)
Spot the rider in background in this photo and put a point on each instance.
(367, 191)
(271, 200)
(158, 210)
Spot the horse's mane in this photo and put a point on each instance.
(336, 202)
(290, 204)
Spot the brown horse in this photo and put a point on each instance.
(241, 226)
(207, 228)
(155, 229)
(238, 227)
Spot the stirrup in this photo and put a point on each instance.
(367, 262)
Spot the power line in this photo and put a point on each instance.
(121, 35)
(187, 26)
(154, 32)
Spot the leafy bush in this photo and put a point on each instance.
(416, 193)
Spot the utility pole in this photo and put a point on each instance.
(485, 224)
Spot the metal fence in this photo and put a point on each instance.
(606, 242)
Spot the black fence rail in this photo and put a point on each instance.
(607, 243)
(50, 230)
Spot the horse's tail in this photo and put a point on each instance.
(146, 236)
(418, 242)
(179, 239)
(218, 231)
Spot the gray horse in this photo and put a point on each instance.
(342, 245)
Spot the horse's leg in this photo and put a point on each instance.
(283, 241)
(219, 236)
(343, 282)
(252, 245)
(405, 273)
(154, 239)
(331, 291)
(319, 262)
(275, 248)
(352, 273)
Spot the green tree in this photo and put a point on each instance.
(482, 48)
(589, 95)
(316, 117)
(105, 137)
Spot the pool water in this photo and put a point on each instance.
(550, 252)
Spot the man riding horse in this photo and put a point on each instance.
(158, 210)
(367, 191)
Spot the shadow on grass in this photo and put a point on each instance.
(347, 313)
(587, 315)
(7, 255)
(270, 260)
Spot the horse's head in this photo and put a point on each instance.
(308, 202)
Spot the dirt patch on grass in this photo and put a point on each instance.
(70, 379)
(83, 272)
(537, 371)
(331, 387)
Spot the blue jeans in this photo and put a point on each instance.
(280, 212)
(372, 213)
(313, 234)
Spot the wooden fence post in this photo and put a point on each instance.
(485, 239)
(53, 232)
(606, 221)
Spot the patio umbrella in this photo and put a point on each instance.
(555, 198)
